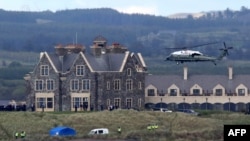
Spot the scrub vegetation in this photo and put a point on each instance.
(172, 126)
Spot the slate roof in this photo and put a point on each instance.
(207, 82)
(104, 62)
(68, 60)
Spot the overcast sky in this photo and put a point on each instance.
(153, 7)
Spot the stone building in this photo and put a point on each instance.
(228, 92)
(72, 79)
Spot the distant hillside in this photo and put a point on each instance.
(148, 34)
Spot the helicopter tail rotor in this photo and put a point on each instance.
(225, 49)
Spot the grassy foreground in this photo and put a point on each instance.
(172, 126)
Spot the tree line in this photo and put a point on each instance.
(148, 34)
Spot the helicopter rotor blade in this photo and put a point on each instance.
(195, 46)
(225, 44)
(203, 45)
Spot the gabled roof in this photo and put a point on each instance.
(104, 62)
(45, 54)
(207, 82)
(64, 63)
(142, 60)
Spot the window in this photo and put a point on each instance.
(74, 85)
(44, 70)
(129, 84)
(76, 102)
(86, 84)
(108, 85)
(196, 92)
(39, 85)
(117, 84)
(41, 102)
(50, 84)
(151, 92)
(117, 102)
(139, 85)
(44, 102)
(173, 92)
(139, 102)
(49, 102)
(218, 92)
(79, 102)
(85, 103)
(129, 103)
(108, 102)
(80, 70)
(129, 71)
(241, 92)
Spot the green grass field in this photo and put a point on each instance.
(172, 126)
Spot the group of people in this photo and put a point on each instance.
(22, 134)
(152, 126)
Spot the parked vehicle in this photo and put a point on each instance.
(189, 111)
(162, 109)
(166, 110)
(99, 131)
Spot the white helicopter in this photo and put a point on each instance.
(185, 55)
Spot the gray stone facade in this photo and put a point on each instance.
(72, 79)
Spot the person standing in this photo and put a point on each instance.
(16, 135)
(149, 127)
(23, 134)
(119, 130)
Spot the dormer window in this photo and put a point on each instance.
(151, 92)
(173, 92)
(196, 92)
(80, 70)
(129, 72)
(241, 92)
(44, 70)
(218, 92)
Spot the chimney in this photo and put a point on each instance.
(60, 50)
(99, 46)
(74, 48)
(96, 51)
(230, 73)
(185, 69)
(117, 48)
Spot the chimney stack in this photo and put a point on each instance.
(230, 73)
(185, 69)
(99, 46)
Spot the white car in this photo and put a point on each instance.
(99, 131)
(166, 110)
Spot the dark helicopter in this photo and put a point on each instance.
(186, 55)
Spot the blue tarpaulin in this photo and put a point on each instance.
(62, 131)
